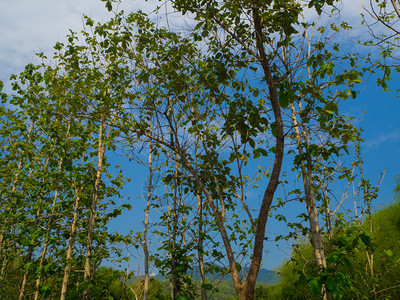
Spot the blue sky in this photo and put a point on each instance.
(27, 27)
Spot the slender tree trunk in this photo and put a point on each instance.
(200, 248)
(200, 240)
(71, 245)
(173, 283)
(172, 233)
(327, 214)
(370, 255)
(312, 210)
(93, 209)
(146, 227)
(370, 259)
(246, 290)
(24, 279)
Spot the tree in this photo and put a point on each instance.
(249, 29)
(221, 97)
(55, 172)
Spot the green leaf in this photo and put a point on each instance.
(45, 290)
(89, 22)
(252, 143)
(389, 252)
(198, 26)
(284, 100)
(273, 129)
(109, 6)
(315, 285)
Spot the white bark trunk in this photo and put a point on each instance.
(93, 208)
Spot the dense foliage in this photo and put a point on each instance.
(364, 276)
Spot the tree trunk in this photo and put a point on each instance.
(370, 255)
(200, 249)
(312, 210)
(71, 245)
(146, 227)
(200, 255)
(93, 209)
(172, 233)
(246, 291)
(173, 281)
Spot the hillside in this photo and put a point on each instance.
(264, 276)
(224, 289)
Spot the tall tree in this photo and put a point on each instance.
(232, 114)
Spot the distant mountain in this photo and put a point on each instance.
(264, 276)
(268, 276)
(225, 289)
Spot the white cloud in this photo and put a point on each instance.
(31, 26)
(384, 138)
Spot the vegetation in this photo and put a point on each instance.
(369, 276)
(218, 111)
